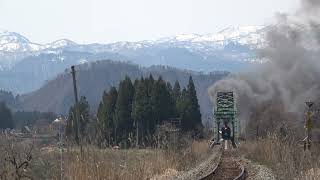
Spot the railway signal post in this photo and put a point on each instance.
(308, 126)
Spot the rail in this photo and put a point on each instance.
(225, 164)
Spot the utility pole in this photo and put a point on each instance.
(308, 127)
(77, 122)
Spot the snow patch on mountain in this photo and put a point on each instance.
(253, 36)
(234, 43)
(59, 44)
(244, 35)
(14, 42)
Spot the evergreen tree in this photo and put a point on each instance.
(71, 122)
(151, 79)
(169, 88)
(135, 84)
(111, 107)
(84, 110)
(149, 122)
(123, 121)
(140, 109)
(101, 113)
(171, 102)
(72, 125)
(105, 113)
(150, 84)
(184, 108)
(195, 108)
(188, 108)
(161, 102)
(6, 120)
(176, 95)
(176, 92)
(101, 124)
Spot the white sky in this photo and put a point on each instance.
(104, 21)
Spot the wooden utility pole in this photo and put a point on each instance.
(77, 122)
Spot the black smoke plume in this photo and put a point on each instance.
(273, 96)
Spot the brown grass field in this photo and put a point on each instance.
(94, 163)
(285, 157)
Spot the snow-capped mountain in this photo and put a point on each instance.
(231, 49)
(252, 36)
(14, 42)
(245, 35)
(59, 44)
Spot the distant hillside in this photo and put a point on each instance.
(57, 95)
(33, 72)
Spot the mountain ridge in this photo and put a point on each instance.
(23, 71)
(231, 33)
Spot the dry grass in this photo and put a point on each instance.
(285, 157)
(117, 164)
(133, 163)
(97, 164)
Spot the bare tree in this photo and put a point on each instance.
(17, 161)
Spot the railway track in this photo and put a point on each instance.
(227, 168)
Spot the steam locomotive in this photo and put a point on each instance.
(226, 132)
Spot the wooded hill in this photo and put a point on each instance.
(94, 78)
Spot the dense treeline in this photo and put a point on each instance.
(26, 118)
(133, 111)
(8, 98)
(11, 119)
(130, 113)
(6, 120)
(17, 120)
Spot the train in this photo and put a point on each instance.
(226, 132)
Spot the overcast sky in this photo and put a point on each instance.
(89, 21)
